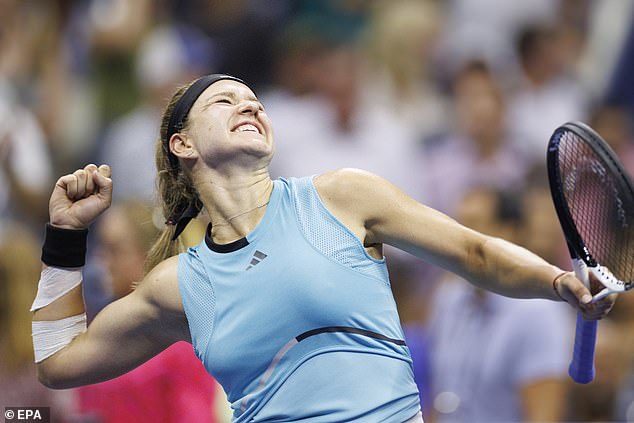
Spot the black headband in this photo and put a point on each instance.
(184, 105)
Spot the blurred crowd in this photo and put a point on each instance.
(453, 101)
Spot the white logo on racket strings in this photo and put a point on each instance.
(598, 169)
(620, 211)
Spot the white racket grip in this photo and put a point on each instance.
(607, 279)
(581, 271)
(581, 368)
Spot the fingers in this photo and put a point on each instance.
(105, 170)
(576, 294)
(595, 284)
(103, 182)
(573, 291)
(67, 183)
(80, 184)
(87, 181)
(599, 309)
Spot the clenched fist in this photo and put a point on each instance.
(80, 197)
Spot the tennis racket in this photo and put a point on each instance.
(594, 200)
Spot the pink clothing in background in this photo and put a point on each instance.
(171, 387)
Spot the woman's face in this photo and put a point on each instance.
(227, 124)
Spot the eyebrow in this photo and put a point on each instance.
(232, 95)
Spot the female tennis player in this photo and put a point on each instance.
(287, 300)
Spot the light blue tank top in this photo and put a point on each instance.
(296, 321)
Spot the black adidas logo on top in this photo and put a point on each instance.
(258, 256)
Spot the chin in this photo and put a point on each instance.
(259, 144)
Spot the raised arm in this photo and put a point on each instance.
(378, 213)
(123, 335)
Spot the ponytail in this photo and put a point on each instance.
(163, 248)
(176, 192)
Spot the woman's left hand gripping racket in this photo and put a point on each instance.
(594, 199)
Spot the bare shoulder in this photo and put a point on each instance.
(347, 182)
(352, 189)
(357, 192)
(381, 212)
(356, 197)
(160, 286)
(342, 191)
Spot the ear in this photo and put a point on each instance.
(182, 147)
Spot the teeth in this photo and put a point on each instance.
(247, 127)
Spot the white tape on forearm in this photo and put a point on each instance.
(50, 336)
(55, 282)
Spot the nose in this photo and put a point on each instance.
(249, 107)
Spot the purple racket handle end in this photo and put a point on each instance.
(581, 368)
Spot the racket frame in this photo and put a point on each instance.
(576, 246)
(582, 368)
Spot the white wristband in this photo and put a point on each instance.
(55, 282)
(50, 336)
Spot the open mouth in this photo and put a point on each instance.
(247, 127)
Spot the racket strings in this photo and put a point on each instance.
(600, 204)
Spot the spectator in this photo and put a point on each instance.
(478, 152)
(485, 29)
(25, 163)
(167, 57)
(616, 126)
(330, 126)
(547, 94)
(399, 75)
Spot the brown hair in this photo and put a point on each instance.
(175, 187)
(139, 214)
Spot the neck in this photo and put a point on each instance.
(235, 203)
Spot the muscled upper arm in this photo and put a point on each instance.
(124, 334)
(378, 212)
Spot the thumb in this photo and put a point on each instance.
(581, 292)
(574, 291)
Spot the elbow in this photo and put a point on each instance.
(48, 377)
(478, 257)
(481, 262)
